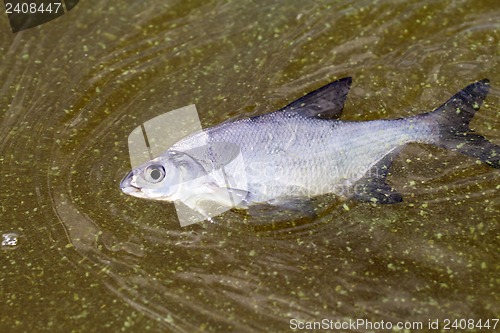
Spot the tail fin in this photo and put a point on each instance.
(453, 118)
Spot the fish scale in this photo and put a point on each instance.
(320, 146)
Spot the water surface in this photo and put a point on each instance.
(89, 259)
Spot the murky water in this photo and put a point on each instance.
(79, 256)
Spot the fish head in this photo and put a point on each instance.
(163, 178)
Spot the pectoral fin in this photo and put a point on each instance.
(227, 197)
(212, 200)
(373, 187)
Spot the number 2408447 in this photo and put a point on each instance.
(470, 324)
(32, 8)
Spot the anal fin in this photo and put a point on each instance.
(376, 190)
(373, 187)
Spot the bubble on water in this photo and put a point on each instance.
(9, 239)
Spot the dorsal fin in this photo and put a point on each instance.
(326, 102)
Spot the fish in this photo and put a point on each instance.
(304, 150)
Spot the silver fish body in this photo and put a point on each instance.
(289, 155)
(302, 151)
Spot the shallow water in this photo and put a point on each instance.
(89, 259)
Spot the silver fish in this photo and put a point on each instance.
(303, 150)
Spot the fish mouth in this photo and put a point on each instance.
(127, 186)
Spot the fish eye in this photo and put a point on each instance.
(154, 173)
